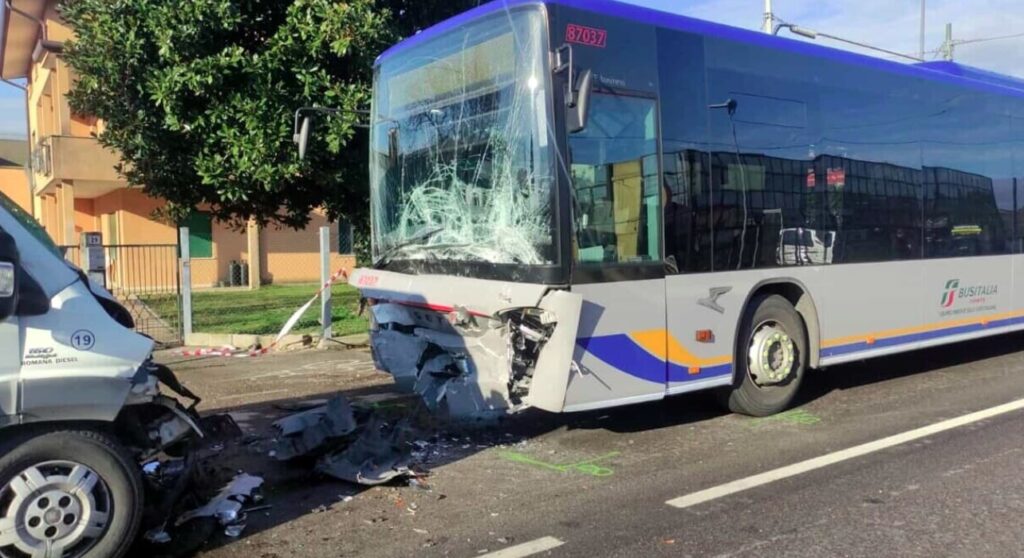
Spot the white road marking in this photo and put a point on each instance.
(842, 455)
(542, 544)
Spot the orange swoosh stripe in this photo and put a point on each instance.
(919, 329)
(662, 344)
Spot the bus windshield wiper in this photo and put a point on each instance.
(413, 240)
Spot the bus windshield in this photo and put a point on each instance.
(461, 147)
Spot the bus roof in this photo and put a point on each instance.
(940, 71)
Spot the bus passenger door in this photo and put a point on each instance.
(618, 269)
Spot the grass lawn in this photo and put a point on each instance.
(264, 311)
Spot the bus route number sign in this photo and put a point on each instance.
(588, 36)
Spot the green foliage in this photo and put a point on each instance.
(198, 97)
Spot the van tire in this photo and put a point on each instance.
(766, 318)
(114, 467)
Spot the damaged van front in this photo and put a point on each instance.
(468, 291)
(81, 408)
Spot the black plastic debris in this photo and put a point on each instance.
(381, 453)
(354, 444)
(307, 432)
(227, 507)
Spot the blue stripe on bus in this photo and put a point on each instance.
(863, 346)
(623, 353)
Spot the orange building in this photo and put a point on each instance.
(73, 187)
(14, 172)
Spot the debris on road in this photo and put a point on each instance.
(360, 447)
(306, 432)
(380, 454)
(226, 507)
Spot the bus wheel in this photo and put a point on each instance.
(771, 359)
(67, 493)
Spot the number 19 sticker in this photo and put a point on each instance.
(83, 340)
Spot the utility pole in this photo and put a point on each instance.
(923, 12)
(769, 18)
(947, 47)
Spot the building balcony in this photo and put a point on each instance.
(81, 161)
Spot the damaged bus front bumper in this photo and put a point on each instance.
(472, 347)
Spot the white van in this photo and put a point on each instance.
(80, 406)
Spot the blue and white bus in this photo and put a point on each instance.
(584, 204)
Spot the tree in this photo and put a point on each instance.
(411, 16)
(198, 98)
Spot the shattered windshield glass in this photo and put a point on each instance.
(462, 156)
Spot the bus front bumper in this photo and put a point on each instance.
(472, 347)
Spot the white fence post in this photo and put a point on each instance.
(325, 276)
(186, 285)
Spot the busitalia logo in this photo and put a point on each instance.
(974, 294)
(949, 296)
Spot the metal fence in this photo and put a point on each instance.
(146, 279)
(227, 301)
(222, 291)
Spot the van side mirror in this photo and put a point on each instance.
(9, 260)
(578, 103)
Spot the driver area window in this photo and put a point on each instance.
(615, 180)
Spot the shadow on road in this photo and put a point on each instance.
(294, 490)
(857, 374)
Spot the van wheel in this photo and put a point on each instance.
(770, 360)
(67, 493)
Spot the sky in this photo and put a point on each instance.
(890, 24)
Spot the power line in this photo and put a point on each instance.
(987, 39)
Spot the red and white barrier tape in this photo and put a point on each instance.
(285, 330)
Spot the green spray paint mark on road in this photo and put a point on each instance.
(587, 467)
(798, 417)
(378, 406)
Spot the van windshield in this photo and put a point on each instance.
(30, 224)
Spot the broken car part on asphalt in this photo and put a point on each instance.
(381, 453)
(357, 447)
(226, 507)
(305, 432)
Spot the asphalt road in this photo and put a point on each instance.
(598, 484)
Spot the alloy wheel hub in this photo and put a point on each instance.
(53, 509)
(771, 356)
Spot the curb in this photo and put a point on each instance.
(243, 340)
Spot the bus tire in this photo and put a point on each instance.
(771, 358)
(73, 489)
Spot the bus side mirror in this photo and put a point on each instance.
(301, 136)
(578, 103)
(9, 260)
(393, 145)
